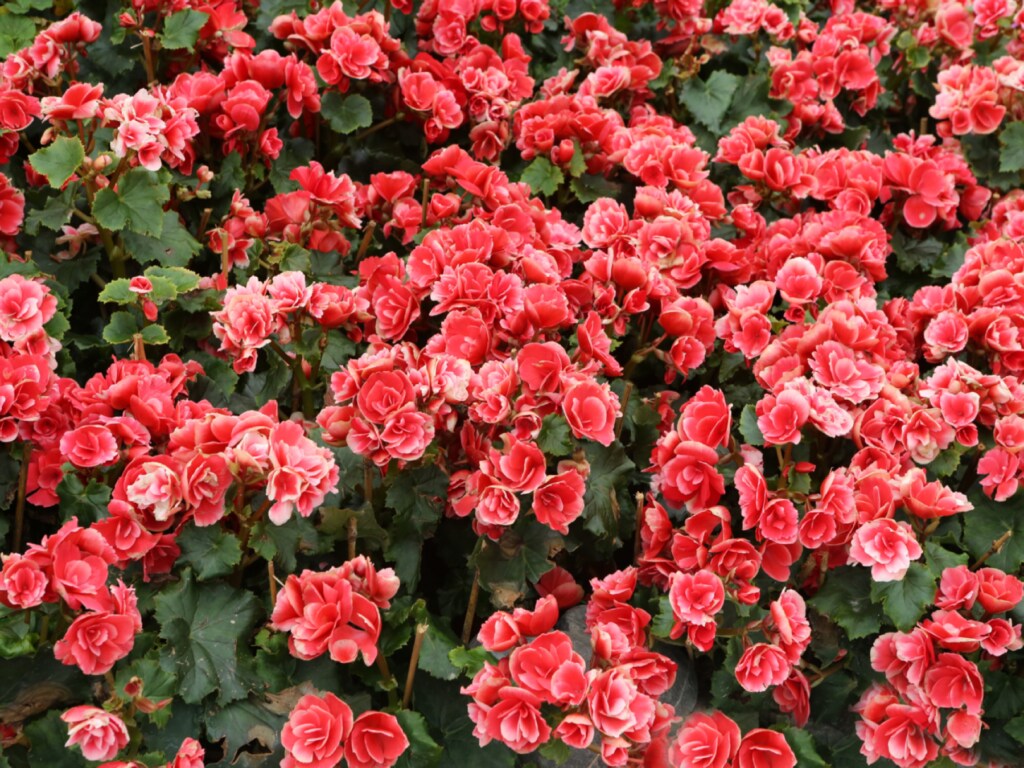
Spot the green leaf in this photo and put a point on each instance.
(47, 736)
(749, 431)
(542, 176)
(470, 660)
(174, 247)
(445, 711)
(86, 502)
(210, 551)
(136, 204)
(905, 601)
(203, 626)
(803, 747)
(844, 600)
(423, 751)
(608, 468)
(555, 751)
(1004, 696)
(1015, 728)
(282, 543)
(247, 730)
(1011, 148)
(946, 463)
(555, 437)
(438, 644)
(590, 188)
(182, 280)
(118, 292)
(16, 639)
(181, 29)
(709, 101)
(59, 161)
(987, 523)
(346, 114)
(121, 328)
(938, 558)
(417, 496)
(664, 620)
(155, 334)
(18, 32)
(578, 164)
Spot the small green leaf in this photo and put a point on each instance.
(121, 328)
(1015, 728)
(542, 176)
(210, 551)
(181, 29)
(939, 559)
(988, 523)
(204, 626)
(155, 334)
(470, 660)
(905, 601)
(749, 431)
(709, 101)
(59, 161)
(183, 280)
(578, 164)
(136, 204)
(346, 114)
(118, 292)
(1011, 148)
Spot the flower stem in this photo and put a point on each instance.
(417, 644)
(19, 509)
(474, 596)
(997, 545)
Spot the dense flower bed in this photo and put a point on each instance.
(478, 382)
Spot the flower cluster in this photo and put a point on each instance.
(613, 698)
(321, 733)
(931, 702)
(335, 611)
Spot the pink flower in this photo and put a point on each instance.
(887, 547)
(316, 731)
(705, 741)
(99, 734)
(89, 446)
(549, 667)
(376, 741)
(695, 598)
(558, 501)
(25, 307)
(515, 720)
(761, 748)
(23, 582)
(591, 410)
(95, 641)
(762, 666)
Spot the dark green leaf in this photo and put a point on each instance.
(18, 32)
(181, 29)
(1015, 728)
(86, 502)
(155, 334)
(438, 643)
(121, 328)
(555, 437)
(905, 601)
(608, 467)
(845, 600)
(590, 188)
(423, 751)
(803, 747)
(174, 247)
(1004, 696)
(578, 164)
(749, 431)
(470, 660)
(1011, 153)
(417, 496)
(59, 161)
(210, 551)
(542, 176)
(16, 637)
(203, 627)
(346, 114)
(136, 204)
(282, 543)
(938, 558)
(247, 730)
(709, 101)
(47, 736)
(987, 523)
